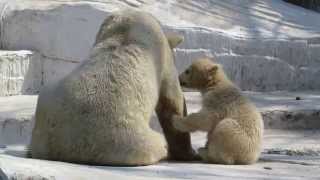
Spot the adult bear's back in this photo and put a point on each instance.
(101, 111)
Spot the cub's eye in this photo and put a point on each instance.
(187, 71)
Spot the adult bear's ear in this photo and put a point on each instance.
(174, 39)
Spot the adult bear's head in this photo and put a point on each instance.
(130, 27)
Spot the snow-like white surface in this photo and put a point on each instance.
(256, 40)
(280, 110)
(283, 100)
(263, 45)
(16, 119)
(271, 19)
(270, 166)
(16, 74)
(24, 168)
(26, 72)
(268, 101)
(17, 106)
(287, 154)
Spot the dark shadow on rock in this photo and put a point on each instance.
(18, 153)
(33, 77)
(3, 176)
(308, 4)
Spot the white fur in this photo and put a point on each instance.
(233, 123)
(100, 113)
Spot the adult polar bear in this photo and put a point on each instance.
(100, 113)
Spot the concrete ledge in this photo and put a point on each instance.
(270, 166)
(287, 154)
(20, 72)
(280, 110)
(26, 72)
(16, 119)
(288, 110)
(253, 54)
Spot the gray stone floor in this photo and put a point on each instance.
(288, 153)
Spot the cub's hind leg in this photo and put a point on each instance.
(227, 142)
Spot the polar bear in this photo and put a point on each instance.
(233, 123)
(100, 112)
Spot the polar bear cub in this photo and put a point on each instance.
(233, 123)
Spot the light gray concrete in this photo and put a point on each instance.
(26, 72)
(16, 119)
(280, 110)
(20, 72)
(275, 163)
(263, 45)
(287, 154)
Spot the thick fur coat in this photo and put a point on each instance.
(100, 113)
(233, 123)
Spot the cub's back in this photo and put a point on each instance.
(231, 103)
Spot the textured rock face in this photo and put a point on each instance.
(16, 119)
(256, 64)
(309, 4)
(64, 31)
(286, 153)
(25, 72)
(256, 40)
(303, 119)
(280, 110)
(19, 72)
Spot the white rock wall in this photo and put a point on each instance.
(26, 72)
(19, 72)
(63, 33)
(16, 119)
(255, 64)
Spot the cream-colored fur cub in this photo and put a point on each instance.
(233, 123)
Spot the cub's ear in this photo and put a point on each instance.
(212, 70)
(174, 39)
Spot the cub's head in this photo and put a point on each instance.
(201, 74)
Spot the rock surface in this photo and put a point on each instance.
(255, 40)
(16, 119)
(270, 166)
(26, 72)
(263, 46)
(280, 110)
(20, 72)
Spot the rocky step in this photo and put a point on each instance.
(64, 32)
(296, 52)
(280, 110)
(258, 73)
(18, 72)
(25, 72)
(16, 118)
(286, 155)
